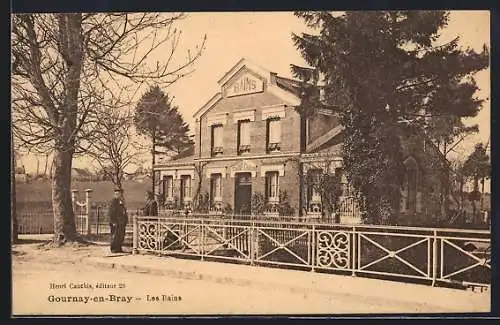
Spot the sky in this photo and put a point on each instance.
(264, 38)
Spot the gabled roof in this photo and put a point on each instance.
(244, 62)
(282, 88)
(324, 139)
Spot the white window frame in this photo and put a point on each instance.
(269, 193)
(246, 147)
(186, 196)
(216, 197)
(167, 179)
(215, 148)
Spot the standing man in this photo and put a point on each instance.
(151, 207)
(118, 219)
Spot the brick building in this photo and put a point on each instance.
(249, 139)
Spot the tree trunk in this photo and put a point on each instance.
(153, 157)
(64, 218)
(462, 183)
(46, 162)
(445, 179)
(482, 194)
(196, 196)
(14, 230)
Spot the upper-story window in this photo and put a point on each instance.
(217, 139)
(243, 136)
(273, 134)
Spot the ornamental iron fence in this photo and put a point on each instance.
(432, 255)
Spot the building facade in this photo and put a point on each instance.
(250, 141)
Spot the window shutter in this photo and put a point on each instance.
(245, 133)
(274, 131)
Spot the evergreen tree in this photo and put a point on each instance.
(160, 120)
(476, 167)
(384, 74)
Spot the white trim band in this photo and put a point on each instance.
(272, 168)
(278, 111)
(247, 115)
(185, 173)
(219, 118)
(216, 170)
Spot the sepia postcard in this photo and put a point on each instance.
(250, 163)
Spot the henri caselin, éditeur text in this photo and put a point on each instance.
(85, 285)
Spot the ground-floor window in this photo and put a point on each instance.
(185, 186)
(215, 187)
(272, 185)
(168, 186)
(313, 183)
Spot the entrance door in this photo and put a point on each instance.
(243, 193)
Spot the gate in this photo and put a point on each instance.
(83, 212)
(349, 209)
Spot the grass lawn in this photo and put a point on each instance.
(38, 195)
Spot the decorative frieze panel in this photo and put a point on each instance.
(273, 111)
(272, 168)
(216, 170)
(244, 166)
(244, 115)
(216, 119)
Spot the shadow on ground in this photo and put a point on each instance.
(27, 241)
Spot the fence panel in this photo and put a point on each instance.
(433, 255)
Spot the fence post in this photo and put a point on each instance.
(74, 194)
(353, 255)
(253, 242)
(434, 258)
(88, 205)
(98, 210)
(202, 248)
(135, 234)
(313, 248)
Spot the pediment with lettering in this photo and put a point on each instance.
(244, 166)
(244, 83)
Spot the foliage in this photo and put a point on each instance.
(228, 209)
(203, 205)
(327, 184)
(258, 203)
(157, 117)
(476, 167)
(384, 75)
(284, 207)
(478, 164)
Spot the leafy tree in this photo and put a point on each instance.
(477, 166)
(66, 65)
(384, 75)
(160, 120)
(329, 187)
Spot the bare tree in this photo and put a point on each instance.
(13, 210)
(65, 65)
(115, 147)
